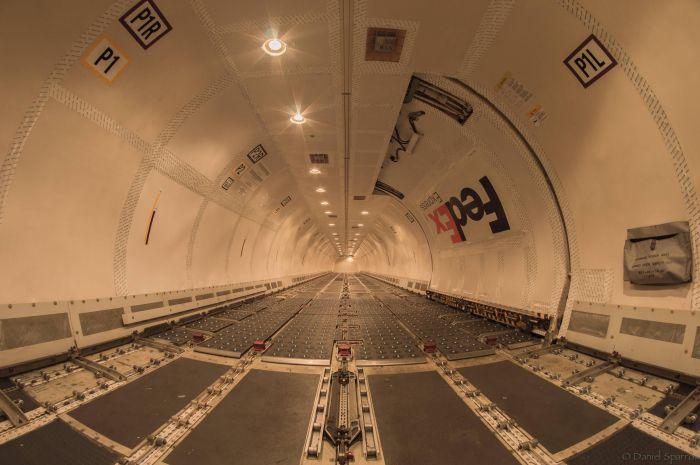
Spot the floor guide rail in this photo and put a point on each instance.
(345, 369)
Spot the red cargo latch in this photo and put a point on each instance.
(429, 347)
(344, 350)
(259, 345)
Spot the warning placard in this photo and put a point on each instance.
(105, 59)
(590, 61)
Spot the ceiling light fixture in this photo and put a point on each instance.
(359, 225)
(297, 118)
(364, 212)
(315, 171)
(324, 203)
(331, 224)
(327, 212)
(274, 47)
(320, 190)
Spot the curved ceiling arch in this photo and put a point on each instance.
(184, 170)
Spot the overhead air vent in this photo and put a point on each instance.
(359, 197)
(382, 188)
(319, 158)
(438, 98)
(384, 44)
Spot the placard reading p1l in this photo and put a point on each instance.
(590, 61)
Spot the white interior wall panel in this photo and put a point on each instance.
(86, 162)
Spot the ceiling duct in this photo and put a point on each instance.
(382, 188)
(318, 158)
(452, 106)
(384, 44)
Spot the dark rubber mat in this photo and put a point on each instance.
(554, 416)
(132, 412)
(57, 444)
(629, 445)
(263, 421)
(422, 421)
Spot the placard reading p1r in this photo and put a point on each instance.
(590, 61)
(146, 23)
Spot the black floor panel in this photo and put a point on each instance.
(554, 416)
(56, 444)
(630, 445)
(263, 421)
(132, 412)
(422, 421)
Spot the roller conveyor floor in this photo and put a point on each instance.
(557, 418)
(58, 444)
(253, 382)
(262, 421)
(129, 414)
(422, 405)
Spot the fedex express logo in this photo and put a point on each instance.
(454, 214)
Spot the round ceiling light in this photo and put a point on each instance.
(315, 171)
(364, 212)
(274, 47)
(320, 190)
(297, 118)
(324, 202)
(331, 224)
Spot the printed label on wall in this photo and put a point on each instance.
(146, 23)
(105, 60)
(257, 154)
(246, 178)
(455, 214)
(521, 98)
(590, 61)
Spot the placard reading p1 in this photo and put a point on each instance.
(105, 59)
(590, 61)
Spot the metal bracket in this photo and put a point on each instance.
(12, 411)
(591, 372)
(682, 410)
(159, 345)
(95, 367)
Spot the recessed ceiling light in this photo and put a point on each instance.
(331, 224)
(327, 212)
(335, 234)
(315, 171)
(320, 190)
(364, 212)
(360, 225)
(357, 234)
(274, 47)
(297, 118)
(324, 203)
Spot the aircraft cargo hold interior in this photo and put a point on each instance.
(354, 232)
